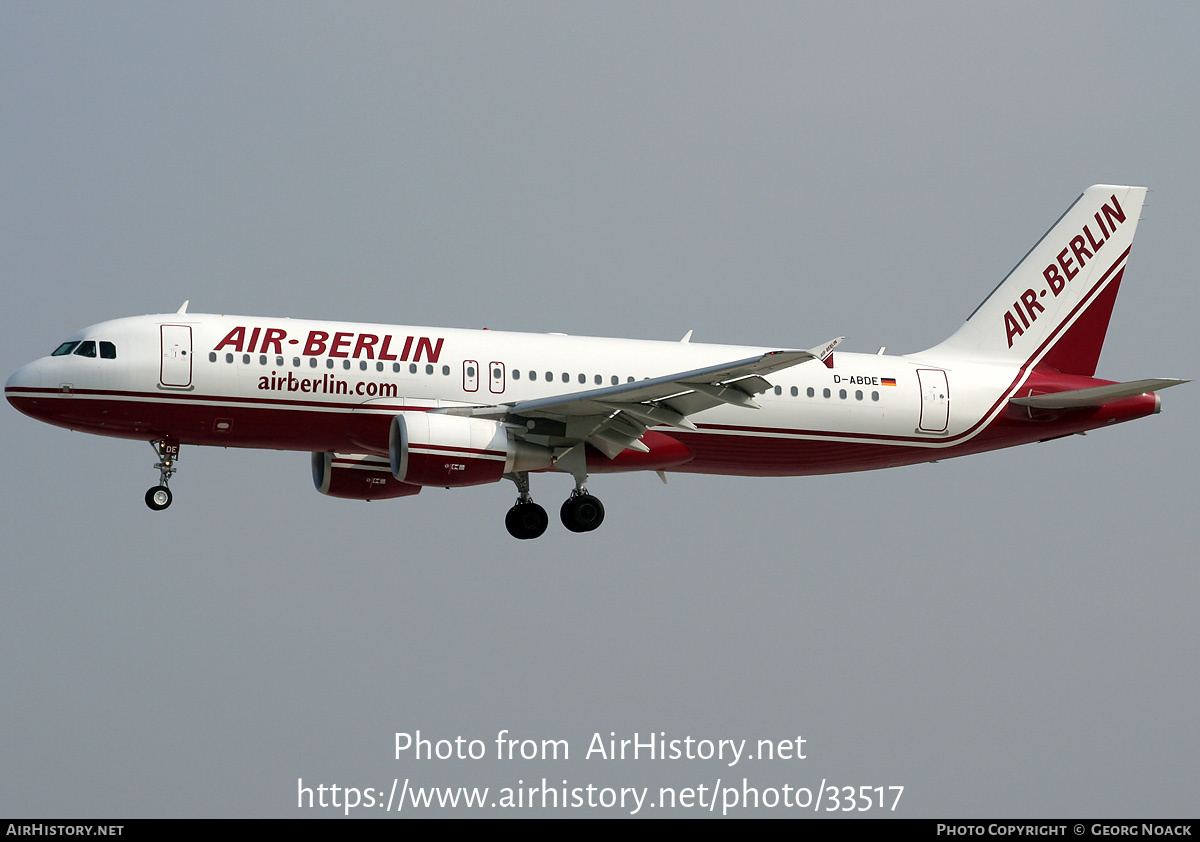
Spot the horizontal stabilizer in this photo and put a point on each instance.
(1095, 396)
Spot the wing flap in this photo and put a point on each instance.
(651, 414)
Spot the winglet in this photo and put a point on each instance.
(824, 353)
(183, 309)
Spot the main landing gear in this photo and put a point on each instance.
(526, 519)
(167, 450)
(581, 512)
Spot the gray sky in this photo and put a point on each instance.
(1011, 634)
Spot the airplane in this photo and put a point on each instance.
(386, 410)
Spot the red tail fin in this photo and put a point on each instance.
(1077, 349)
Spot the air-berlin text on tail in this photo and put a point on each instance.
(342, 344)
(1081, 248)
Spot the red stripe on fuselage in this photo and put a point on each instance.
(165, 397)
(750, 455)
(717, 449)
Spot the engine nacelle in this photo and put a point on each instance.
(429, 448)
(357, 477)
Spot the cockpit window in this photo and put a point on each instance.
(64, 349)
(108, 351)
(87, 348)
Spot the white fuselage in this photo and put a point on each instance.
(313, 385)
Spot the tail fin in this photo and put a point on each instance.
(1052, 310)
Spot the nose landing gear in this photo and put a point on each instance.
(167, 451)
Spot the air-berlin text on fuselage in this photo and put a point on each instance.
(1081, 248)
(347, 344)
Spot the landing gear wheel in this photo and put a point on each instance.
(158, 497)
(526, 520)
(582, 513)
(167, 451)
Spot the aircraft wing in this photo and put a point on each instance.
(613, 418)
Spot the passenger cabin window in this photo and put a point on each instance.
(86, 348)
(64, 349)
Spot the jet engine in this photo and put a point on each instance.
(429, 448)
(357, 477)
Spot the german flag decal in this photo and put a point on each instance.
(887, 381)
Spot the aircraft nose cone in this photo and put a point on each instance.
(26, 377)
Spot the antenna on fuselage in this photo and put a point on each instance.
(183, 309)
